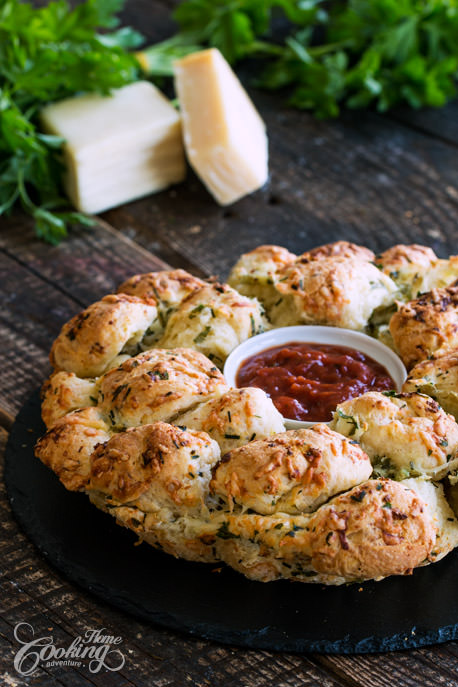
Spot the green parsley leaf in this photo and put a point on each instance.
(225, 533)
(358, 53)
(47, 54)
(350, 419)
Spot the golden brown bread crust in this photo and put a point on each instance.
(168, 287)
(407, 265)
(68, 446)
(256, 272)
(379, 528)
(63, 393)
(154, 436)
(90, 341)
(167, 466)
(403, 434)
(260, 265)
(405, 262)
(235, 418)
(337, 291)
(214, 320)
(158, 385)
(426, 326)
(292, 472)
(338, 249)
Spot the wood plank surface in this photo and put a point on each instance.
(441, 123)
(371, 179)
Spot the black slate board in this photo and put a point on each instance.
(91, 550)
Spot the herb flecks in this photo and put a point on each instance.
(202, 335)
(359, 496)
(225, 533)
(350, 419)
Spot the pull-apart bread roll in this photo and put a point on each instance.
(155, 466)
(154, 480)
(380, 528)
(295, 290)
(441, 274)
(255, 273)
(437, 378)
(417, 269)
(339, 249)
(293, 472)
(168, 288)
(67, 447)
(337, 291)
(405, 265)
(235, 418)
(442, 515)
(141, 419)
(157, 385)
(426, 326)
(90, 342)
(376, 529)
(64, 392)
(214, 320)
(403, 434)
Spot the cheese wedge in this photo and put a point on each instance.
(118, 147)
(224, 136)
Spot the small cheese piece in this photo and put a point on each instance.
(118, 147)
(224, 135)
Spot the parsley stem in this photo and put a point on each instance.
(316, 50)
(158, 59)
(265, 48)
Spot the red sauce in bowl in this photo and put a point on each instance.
(306, 381)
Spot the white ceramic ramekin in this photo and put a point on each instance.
(315, 334)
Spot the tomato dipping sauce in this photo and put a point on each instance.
(306, 381)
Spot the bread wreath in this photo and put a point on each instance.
(140, 417)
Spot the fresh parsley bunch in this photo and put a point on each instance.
(355, 53)
(47, 54)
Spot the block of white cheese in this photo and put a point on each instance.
(118, 147)
(225, 138)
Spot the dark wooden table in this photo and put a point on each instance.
(371, 179)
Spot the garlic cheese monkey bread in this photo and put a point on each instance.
(140, 418)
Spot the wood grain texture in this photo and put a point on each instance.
(92, 263)
(441, 123)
